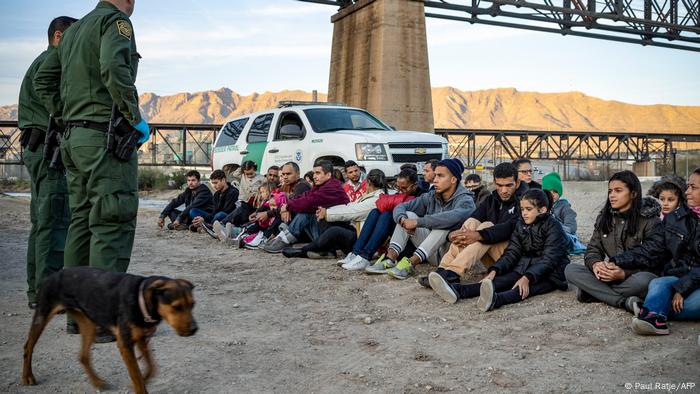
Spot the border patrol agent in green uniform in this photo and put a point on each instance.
(49, 204)
(93, 68)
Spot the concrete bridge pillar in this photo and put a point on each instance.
(379, 61)
(644, 168)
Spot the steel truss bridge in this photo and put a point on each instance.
(476, 146)
(190, 145)
(663, 23)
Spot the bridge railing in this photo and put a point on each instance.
(170, 145)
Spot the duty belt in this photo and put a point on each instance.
(88, 125)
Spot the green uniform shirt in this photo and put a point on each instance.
(31, 112)
(94, 66)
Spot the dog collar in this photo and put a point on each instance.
(142, 305)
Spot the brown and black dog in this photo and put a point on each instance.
(130, 306)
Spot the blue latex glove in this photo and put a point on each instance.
(142, 126)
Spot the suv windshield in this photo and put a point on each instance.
(325, 120)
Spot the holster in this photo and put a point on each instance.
(122, 138)
(52, 144)
(36, 137)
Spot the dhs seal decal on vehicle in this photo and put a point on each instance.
(297, 155)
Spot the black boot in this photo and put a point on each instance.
(293, 252)
(104, 336)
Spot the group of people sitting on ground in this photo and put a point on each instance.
(644, 255)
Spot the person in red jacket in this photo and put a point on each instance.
(326, 192)
(379, 224)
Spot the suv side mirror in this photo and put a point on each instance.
(291, 131)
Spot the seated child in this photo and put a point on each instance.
(532, 264)
(561, 209)
(670, 191)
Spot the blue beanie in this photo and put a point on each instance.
(455, 166)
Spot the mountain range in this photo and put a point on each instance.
(505, 108)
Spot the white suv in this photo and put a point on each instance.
(304, 133)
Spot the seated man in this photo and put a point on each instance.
(273, 176)
(428, 175)
(248, 188)
(427, 220)
(487, 231)
(355, 186)
(225, 197)
(326, 192)
(561, 209)
(473, 183)
(197, 196)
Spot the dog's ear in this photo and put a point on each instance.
(157, 286)
(186, 283)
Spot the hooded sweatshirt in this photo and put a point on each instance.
(200, 198)
(433, 213)
(567, 216)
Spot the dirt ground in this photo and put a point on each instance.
(271, 324)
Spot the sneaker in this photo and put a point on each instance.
(381, 266)
(356, 264)
(237, 239)
(403, 269)
(293, 252)
(442, 288)
(321, 255)
(208, 229)
(193, 228)
(72, 328)
(32, 304)
(276, 245)
(424, 281)
(104, 336)
(649, 323)
(487, 296)
(347, 259)
(253, 241)
(219, 231)
(633, 305)
(178, 227)
(584, 297)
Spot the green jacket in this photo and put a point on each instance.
(31, 112)
(94, 66)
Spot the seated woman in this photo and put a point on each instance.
(675, 248)
(532, 264)
(338, 226)
(380, 224)
(626, 221)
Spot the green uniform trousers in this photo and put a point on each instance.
(103, 202)
(49, 215)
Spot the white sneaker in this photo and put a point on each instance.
(356, 264)
(347, 259)
(229, 230)
(255, 242)
(219, 231)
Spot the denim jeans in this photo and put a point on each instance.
(377, 228)
(208, 217)
(304, 223)
(660, 296)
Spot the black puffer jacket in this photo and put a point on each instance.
(675, 246)
(605, 244)
(537, 250)
(200, 198)
(503, 215)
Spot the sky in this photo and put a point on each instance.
(271, 45)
